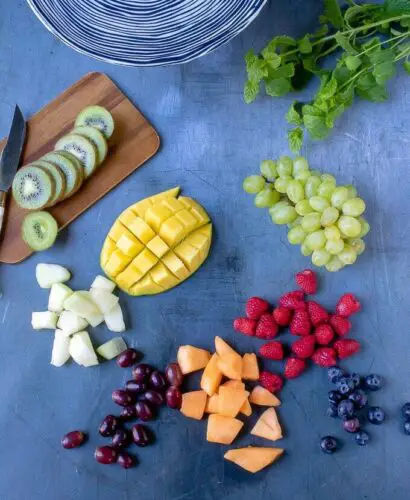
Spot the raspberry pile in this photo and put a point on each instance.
(322, 335)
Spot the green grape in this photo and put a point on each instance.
(268, 169)
(320, 257)
(284, 166)
(354, 207)
(339, 196)
(281, 183)
(295, 223)
(357, 244)
(365, 227)
(302, 177)
(305, 250)
(266, 198)
(332, 233)
(326, 189)
(352, 191)
(284, 215)
(329, 178)
(334, 264)
(329, 216)
(303, 207)
(316, 240)
(279, 204)
(311, 222)
(296, 236)
(295, 191)
(300, 164)
(253, 184)
(348, 255)
(349, 226)
(318, 203)
(312, 185)
(334, 246)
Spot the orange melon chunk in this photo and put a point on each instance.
(262, 397)
(231, 400)
(212, 376)
(222, 429)
(193, 404)
(221, 347)
(230, 364)
(268, 426)
(191, 359)
(236, 384)
(250, 368)
(246, 408)
(253, 458)
(212, 405)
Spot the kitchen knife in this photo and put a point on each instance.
(10, 158)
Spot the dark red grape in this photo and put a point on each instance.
(105, 455)
(129, 413)
(135, 387)
(127, 358)
(109, 425)
(154, 397)
(173, 397)
(174, 375)
(73, 439)
(144, 411)
(141, 435)
(123, 398)
(125, 460)
(141, 372)
(121, 439)
(158, 381)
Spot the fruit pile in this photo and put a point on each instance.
(322, 335)
(325, 219)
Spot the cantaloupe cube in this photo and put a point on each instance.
(231, 365)
(191, 359)
(250, 368)
(212, 405)
(221, 347)
(231, 401)
(246, 408)
(222, 429)
(236, 384)
(262, 397)
(253, 458)
(268, 426)
(193, 404)
(212, 376)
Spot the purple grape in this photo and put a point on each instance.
(73, 439)
(174, 375)
(121, 439)
(154, 397)
(109, 425)
(135, 387)
(141, 372)
(105, 455)
(128, 413)
(141, 435)
(351, 425)
(144, 411)
(158, 381)
(125, 460)
(123, 398)
(173, 397)
(127, 358)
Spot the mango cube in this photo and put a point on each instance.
(144, 261)
(130, 275)
(158, 246)
(145, 286)
(141, 230)
(193, 404)
(189, 255)
(107, 249)
(161, 275)
(173, 205)
(116, 263)
(191, 359)
(222, 429)
(156, 215)
(187, 219)
(129, 245)
(175, 265)
(253, 458)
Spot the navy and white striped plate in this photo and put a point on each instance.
(146, 32)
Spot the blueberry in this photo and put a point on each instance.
(345, 409)
(373, 382)
(335, 397)
(362, 438)
(359, 399)
(345, 385)
(405, 411)
(375, 415)
(335, 373)
(351, 425)
(328, 444)
(332, 410)
(406, 427)
(357, 379)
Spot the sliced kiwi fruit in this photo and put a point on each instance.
(58, 178)
(83, 149)
(97, 117)
(69, 170)
(76, 162)
(97, 138)
(39, 230)
(33, 187)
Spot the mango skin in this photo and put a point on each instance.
(157, 243)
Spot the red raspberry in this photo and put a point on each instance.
(300, 324)
(245, 325)
(324, 334)
(304, 347)
(293, 300)
(346, 347)
(294, 367)
(282, 315)
(340, 324)
(266, 327)
(348, 305)
(307, 281)
(271, 381)
(272, 350)
(325, 356)
(255, 307)
(317, 313)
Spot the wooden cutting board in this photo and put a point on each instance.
(132, 144)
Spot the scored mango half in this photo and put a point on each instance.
(157, 243)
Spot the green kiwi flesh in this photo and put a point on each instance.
(97, 138)
(70, 172)
(33, 188)
(82, 148)
(97, 117)
(39, 230)
(76, 162)
(58, 177)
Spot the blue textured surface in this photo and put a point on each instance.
(211, 140)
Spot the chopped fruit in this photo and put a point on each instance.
(250, 368)
(222, 347)
(46, 320)
(253, 459)
(282, 315)
(304, 347)
(222, 429)
(230, 365)
(212, 405)
(307, 281)
(236, 384)
(325, 357)
(328, 444)
(262, 397)
(294, 367)
(324, 334)
(272, 350)
(348, 305)
(300, 324)
(293, 300)
(193, 404)
(266, 327)
(373, 382)
(255, 307)
(49, 274)
(246, 408)
(317, 313)
(268, 426)
(340, 324)
(211, 377)
(375, 415)
(191, 359)
(346, 347)
(271, 381)
(245, 325)
(231, 400)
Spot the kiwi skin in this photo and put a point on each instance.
(39, 230)
(58, 177)
(46, 184)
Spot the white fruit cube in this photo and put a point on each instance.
(82, 350)
(112, 348)
(60, 354)
(104, 299)
(81, 303)
(46, 320)
(102, 283)
(115, 320)
(70, 323)
(58, 295)
(49, 274)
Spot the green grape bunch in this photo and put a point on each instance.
(324, 218)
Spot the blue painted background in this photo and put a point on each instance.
(210, 141)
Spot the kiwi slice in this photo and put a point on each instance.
(97, 138)
(76, 162)
(97, 117)
(69, 170)
(33, 187)
(82, 148)
(58, 178)
(39, 230)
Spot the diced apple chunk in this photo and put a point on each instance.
(191, 359)
(95, 319)
(46, 320)
(250, 368)
(112, 348)
(58, 295)
(60, 354)
(70, 323)
(262, 397)
(222, 429)
(102, 283)
(231, 400)
(253, 458)
(193, 404)
(212, 376)
(104, 300)
(49, 274)
(81, 304)
(268, 426)
(230, 364)
(82, 350)
(115, 320)
(212, 405)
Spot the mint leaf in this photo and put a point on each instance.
(295, 139)
(328, 89)
(334, 14)
(285, 71)
(316, 126)
(383, 71)
(353, 62)
(368, 88)
(250, 91)
(305, 45)
(284, 41)
(406, 66)
(278, 87)
(270, 50)
(345, 44)
(293, 116)
(397, 6)
(255, 67)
